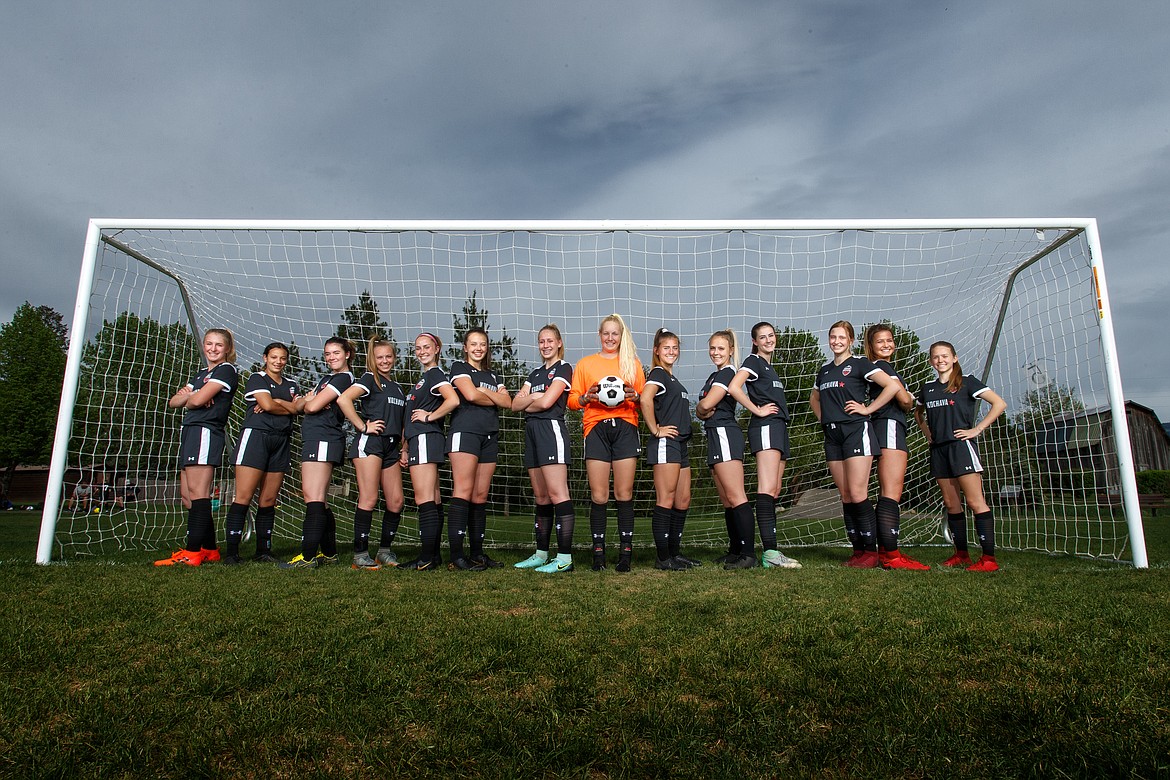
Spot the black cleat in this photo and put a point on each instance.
(741, 562)
(623, 564)
(421, 564)
(462, 564)
(727, 557)
(671, 564)
(598, 561)
(264, 558)
(483, 560)
(688, 562)
(230, 559)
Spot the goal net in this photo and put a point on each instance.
(1023, 302)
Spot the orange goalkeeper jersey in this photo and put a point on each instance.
(588, 371)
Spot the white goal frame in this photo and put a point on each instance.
(99, 228)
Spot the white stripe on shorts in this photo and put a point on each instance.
(974, 456)
(422, 449)
(891, 434)
(560, 440)
(866, 441)
(361, 447)
(243, 446)
(661, 451)
(322, 451)
(204, 445)
(766, 437)
(455, 437)
(724, 444)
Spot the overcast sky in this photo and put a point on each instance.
(547, 110)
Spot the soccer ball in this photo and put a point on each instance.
(611, 391)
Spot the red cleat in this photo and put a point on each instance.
(986, 563)
(863, 560)
(959, 559)
(896, 560)
(852, 560)
(210, 556)
(185, 557)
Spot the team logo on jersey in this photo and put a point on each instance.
(847, 371)
(419, 384)
(551, 374)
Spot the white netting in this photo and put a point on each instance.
(294, 286)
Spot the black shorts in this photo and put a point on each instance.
(611, 440)
(426, 448)
(369, 445)
(661, 451)
(267, 452)
(484, 446)
(199, 446)
(322, 452)
(954, 459)
(724, 444)
(546, 443)
(891, 435)
(852, 439)
(771, 435)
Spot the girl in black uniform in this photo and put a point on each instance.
(946, 414)
(431, 399)
(546, 452)
(323, 448)
(473, 446)
(725, 447)
(889, 423)
(376, 452)
(758, 389)
(262, 454)
(838, 401)
(207, 399)
(668, 418)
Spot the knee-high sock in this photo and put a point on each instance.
(766, 520)
(734, 543)
(625, 521)
(866, 525)
(329, 533)
(597, 518)
(565, 520)
(457, 522)
(315, 520)
(429, 530)
(957, 523)
(888, 523)
(744, 526)
(200, 525)
(265, 522)
(237, 517)
(363, 520)
(435, 554)
(985, 529)
(849, 513)
(542, 525)
(660, 529)
(390, 521)
(678, 520)
(477, 528)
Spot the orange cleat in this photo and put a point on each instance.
(959, 559)
(185, 557)
(896, 560)
(986, 563)
(211, 556)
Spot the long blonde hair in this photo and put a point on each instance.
(728, 334)
(627, 352)
(371, 364)
(229, 343)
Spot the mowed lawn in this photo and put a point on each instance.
(1052, 667)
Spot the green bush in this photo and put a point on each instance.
(1153, 482)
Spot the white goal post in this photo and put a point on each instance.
(1024, 301)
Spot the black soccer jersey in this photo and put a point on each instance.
(284, 390)
(724, 414)
(541, 380)
(947, 412)
(427, 396)
(215, 414)
(890, 411)
(671, 403)
(325, 425)
(383, 400)
(764, 387)
(840, 384)
(470, 417)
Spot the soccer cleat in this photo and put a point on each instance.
(852, 560)
(211, 556)
(958, 560)
(263, 557)
(694, 564)
(727, 557)
(534, 561)
(421, 564)
(671, 564)
(230, 559)
(462, 564)
(598, 560)
(774, 559)
(387, 558)
(740, 562)
(623, 564)
(363, 562)
(555, 567)
(896, 560)
(185, 557)
(325, 560)
(483, 560)
(986, 563)
(300, 562)
(866, 560)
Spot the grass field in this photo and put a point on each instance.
(1053, 667)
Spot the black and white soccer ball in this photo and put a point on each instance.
(611, 391)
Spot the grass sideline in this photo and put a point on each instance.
(1053, 667)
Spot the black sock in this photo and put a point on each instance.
(660, 529)
(888, 523)
(597, 519)
(849, 513)
(390, 521)
(237, 517)
(363, 519)
(457, 521)
(985, 529)
(734, 545)
(265, 522)
(477, 528)
(542, 526)
(678, 520)
(565, 520)
(200, 525)
(435, 547)
(329, 533)
(866, 525)
(315, 520)
(625, 522)
(957, 523)
(766, 520)
(428, 530)
(745, 528)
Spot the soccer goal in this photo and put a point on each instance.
(1024, 302)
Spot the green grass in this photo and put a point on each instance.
(1053, 667)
